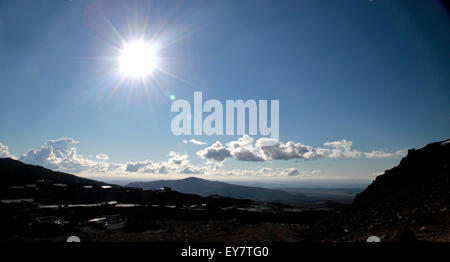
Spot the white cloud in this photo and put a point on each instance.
(58, 155)
(216, 152)
(262, 172)
(342, 149)
(176, 164)
(146, 166)
(266, 149)
(383, 154)
(289, 172)
(179, 164)
(244, 150)
(61, 154)
(102, 157)
(192, 170)
(194, 141)
(265, 170)
(290, 150)
(4, 151)
(178, 159)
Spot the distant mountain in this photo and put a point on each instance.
(16, 173)
(203, 187)
(44, 186)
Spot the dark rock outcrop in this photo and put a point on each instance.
(410, 195)
(421, 181)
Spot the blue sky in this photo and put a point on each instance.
(375, 73)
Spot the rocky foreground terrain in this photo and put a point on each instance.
(410, 202)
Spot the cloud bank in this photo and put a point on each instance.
(383, 154)
(61, 155)
(265, 149)
(176, 164)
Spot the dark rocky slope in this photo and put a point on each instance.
(412, 198)
(16, 173)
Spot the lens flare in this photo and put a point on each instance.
(138, 59)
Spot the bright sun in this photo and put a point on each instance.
(138, 59)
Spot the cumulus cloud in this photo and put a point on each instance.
(244, 150)
(216, 152)
(146, 166)
(59, 155)
(262, 172)
(178, 159)
(194, 141)
(289, 150)
(383, 154)
(265, 149)
(342, 149)
(4, 151)
(176, 164)
(179, 164)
